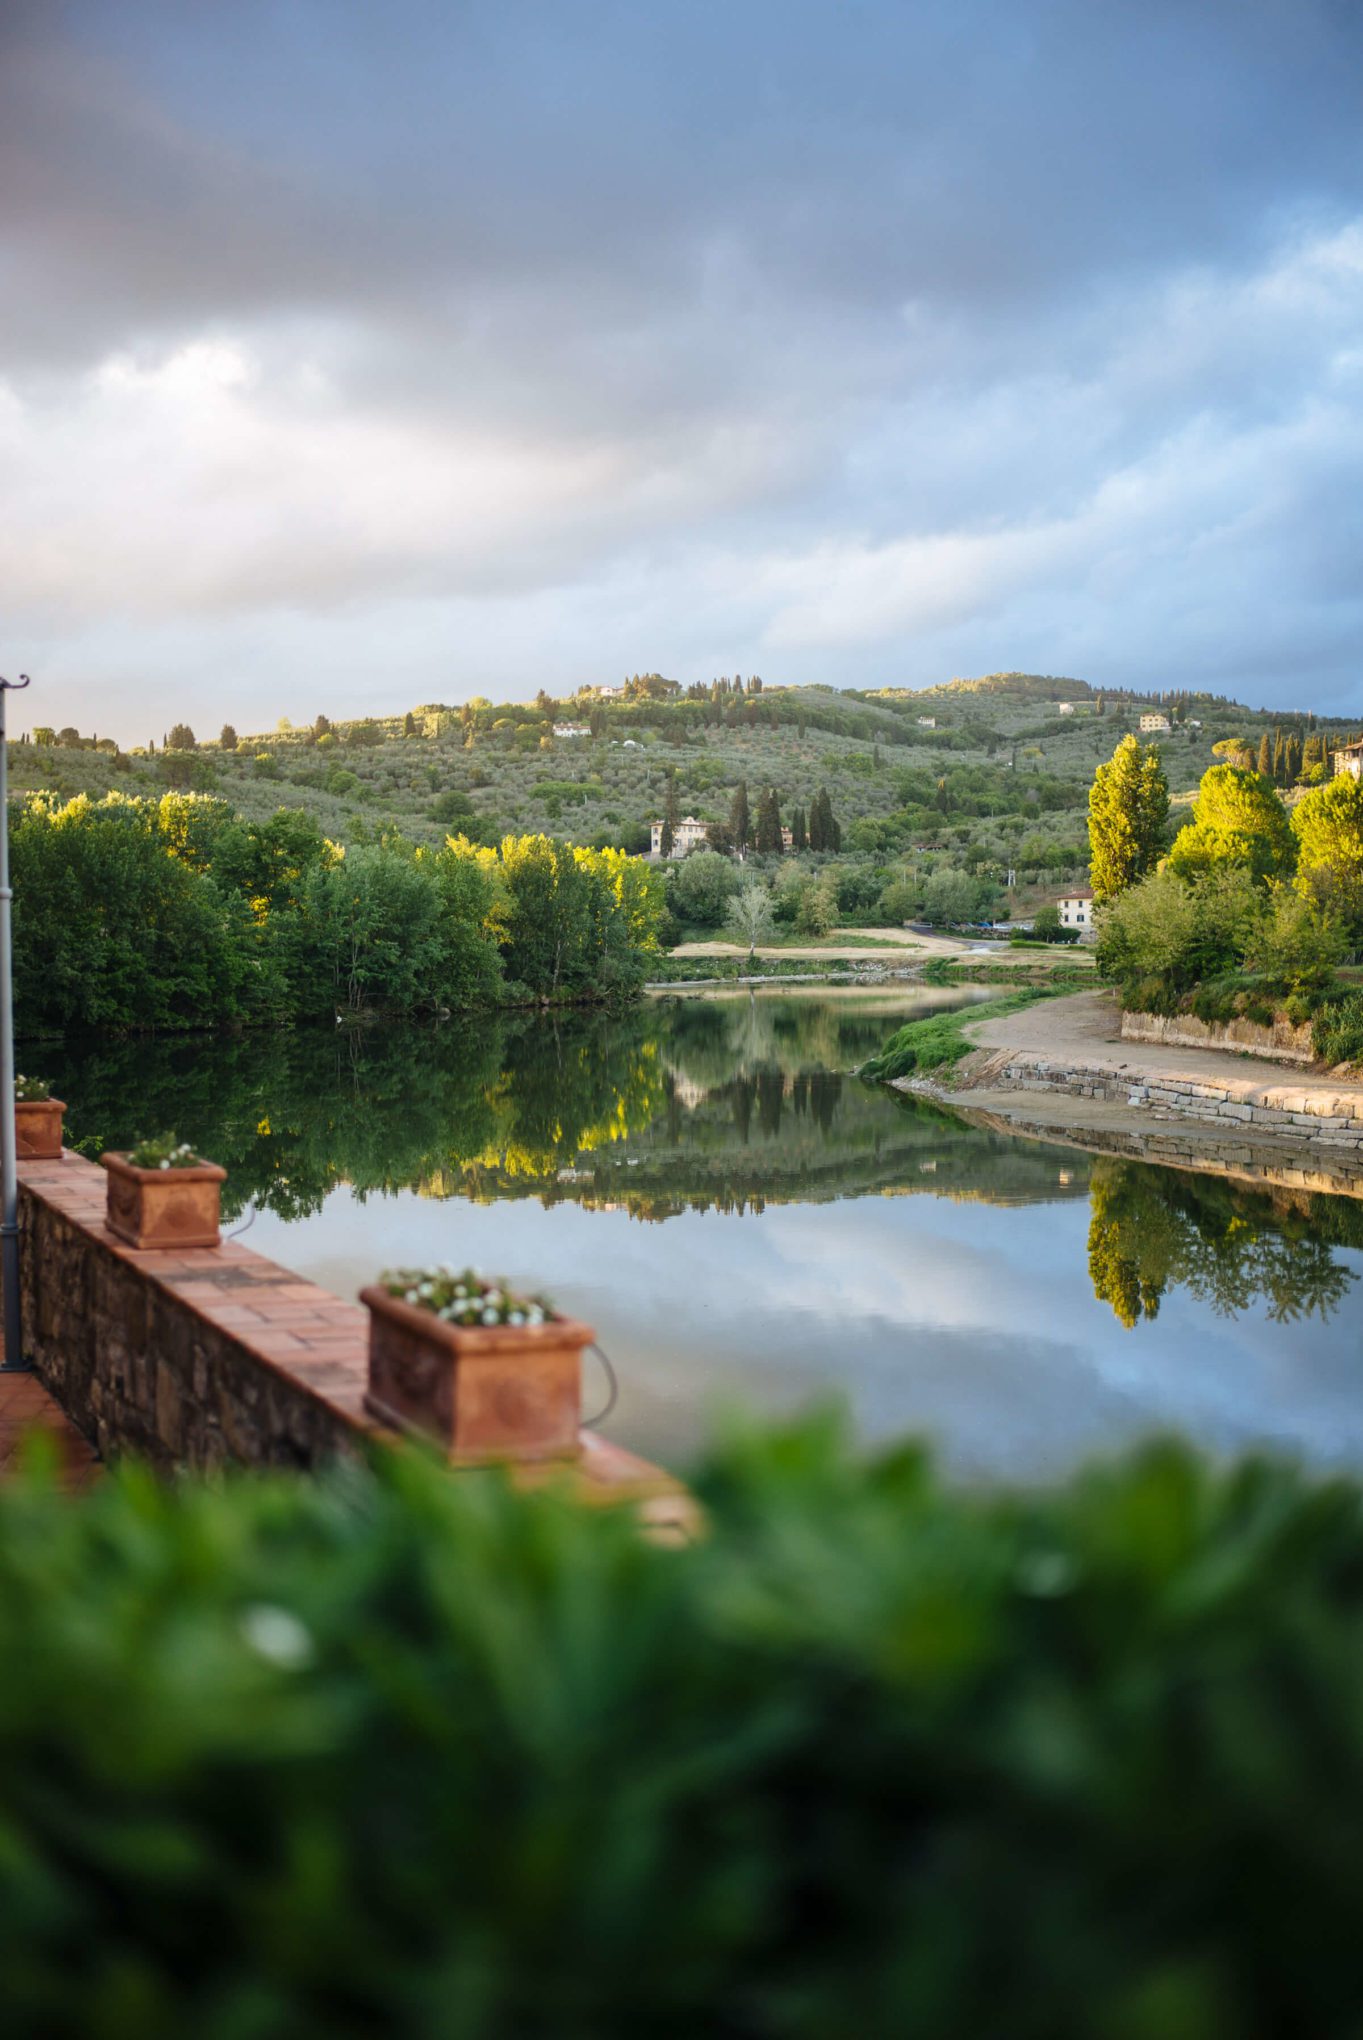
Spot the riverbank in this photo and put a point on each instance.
(1071, 1050)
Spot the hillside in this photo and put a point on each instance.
(1002, 776)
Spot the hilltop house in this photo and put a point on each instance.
(686, 835)
(1154, 724)
(1076, 910)
(1349, 761)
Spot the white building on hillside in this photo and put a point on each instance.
(571, 729)
(687, 835)
(1349, 761)
(1076, 910)
(927, 722)
(1064, 708)
(1154, 724)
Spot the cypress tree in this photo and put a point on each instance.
(769, 822)
(1128, 806)
(799, 833)
(669, 834)
(739, 824)
(1266, 755)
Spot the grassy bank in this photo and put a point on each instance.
(939, 1040)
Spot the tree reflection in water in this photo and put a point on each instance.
(726, 1104)
(1228, 1244)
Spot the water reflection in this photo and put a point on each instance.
(727, 1105)
(1227, 1244)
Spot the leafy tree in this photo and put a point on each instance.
(370, 936)
(182, 738)
(748, 916)
(699, 893)
(950, 897)
(44, 734)
(1328, 827)
(1164, 936)
(227, 741)
(1237, 819)
(1128, 806)
(409, 728)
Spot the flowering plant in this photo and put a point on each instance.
(31, 1090)
(464, 1299)
(164, 1152)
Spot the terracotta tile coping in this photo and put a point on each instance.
(315, 1340)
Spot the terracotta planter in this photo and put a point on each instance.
(38, 1129)
(164, 1208)
(484, 1392)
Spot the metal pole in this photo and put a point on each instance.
(13, 1362)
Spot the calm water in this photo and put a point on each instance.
(743, 1220)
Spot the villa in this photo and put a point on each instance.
(1076, 910)
(686, 835)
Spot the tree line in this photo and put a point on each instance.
(135, 915)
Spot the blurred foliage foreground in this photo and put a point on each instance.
(398, 1754)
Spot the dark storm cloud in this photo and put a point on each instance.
(855, 338)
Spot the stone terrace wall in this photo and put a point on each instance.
(187, 1359)
(1282, 1042)
(191, 1359)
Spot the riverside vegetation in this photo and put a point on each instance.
(137, 914)
(1251, 910)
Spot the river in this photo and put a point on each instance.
(748, 1225)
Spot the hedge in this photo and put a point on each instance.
(397, 1754)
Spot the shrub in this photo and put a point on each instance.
(1337, 1030)
(1178, 935)
(405, 1754)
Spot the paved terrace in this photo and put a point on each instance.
(201, 1356)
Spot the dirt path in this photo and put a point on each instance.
(1086, 1028)
(877, 942)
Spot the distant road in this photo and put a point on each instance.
(921, 947)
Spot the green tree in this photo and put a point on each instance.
(700, 891)
(182, 738)
(799, 832)
(1266, 757)
(1237, 819)
(739, 825)
(748, 916)
(228, 739)
(1328, 827)
(1128, 807)
(768, 838)
(671, 814)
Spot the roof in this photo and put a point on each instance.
(1078, 892)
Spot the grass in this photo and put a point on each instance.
(939, 1041)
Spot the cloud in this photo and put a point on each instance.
(495, 347)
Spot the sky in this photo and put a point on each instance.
(358, 356)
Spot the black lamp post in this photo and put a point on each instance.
(13, 1362)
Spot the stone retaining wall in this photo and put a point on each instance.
(1331, 1118)
(1282, 1042)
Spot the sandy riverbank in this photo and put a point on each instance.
(907, 943)
(1063, 1065)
